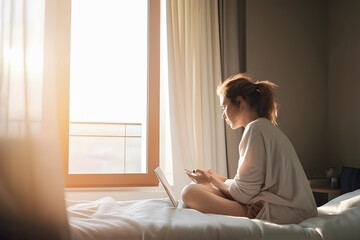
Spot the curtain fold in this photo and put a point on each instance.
(32, 202)
(232, 26)
(197, 131)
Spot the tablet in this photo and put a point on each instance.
(160, 175)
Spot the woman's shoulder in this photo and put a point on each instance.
(259, 123)
(265, 128)
(262, 126)
(256, 127)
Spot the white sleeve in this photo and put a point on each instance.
(250, 177)
(229, 181)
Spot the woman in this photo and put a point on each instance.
(270, 183)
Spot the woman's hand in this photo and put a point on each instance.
(200, 177)
(217, 176)
(209, 177)
(205, 177)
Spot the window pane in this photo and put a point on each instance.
(96, 155)
(108, 79)
(133, 130)
(133, 156)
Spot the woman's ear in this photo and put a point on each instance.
(239, 99)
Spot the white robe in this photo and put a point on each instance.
(269, 170)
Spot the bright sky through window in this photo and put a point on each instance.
(108, 86)
(108, 72)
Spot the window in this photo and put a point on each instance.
(113, 120)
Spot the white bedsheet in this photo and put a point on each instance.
(157, 219)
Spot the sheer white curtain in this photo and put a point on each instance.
(31, 178)
(197, 129)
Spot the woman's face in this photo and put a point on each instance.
(231, 112)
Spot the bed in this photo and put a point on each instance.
(107, 218)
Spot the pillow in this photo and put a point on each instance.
(349, 179)
(340, 204)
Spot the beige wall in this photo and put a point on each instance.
(311, 49)
(287, 44)
(344, 83)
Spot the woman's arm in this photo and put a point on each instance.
(214, 174)
(223, 187)
(202, 176)
(211, 177)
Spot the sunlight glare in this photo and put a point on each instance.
(108, 61)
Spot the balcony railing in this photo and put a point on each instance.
(100, 148)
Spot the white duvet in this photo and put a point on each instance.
(157, 219)
(339, 218)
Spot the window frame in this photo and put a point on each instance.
(153, 106)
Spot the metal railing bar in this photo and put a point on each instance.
(105, 123)
(78, 135)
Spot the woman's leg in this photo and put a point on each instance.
(208, 199)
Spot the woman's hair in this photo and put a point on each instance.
(259, 95)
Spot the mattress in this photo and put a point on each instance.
(107, 218)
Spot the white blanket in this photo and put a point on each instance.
(339, 218)
(157, 219)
